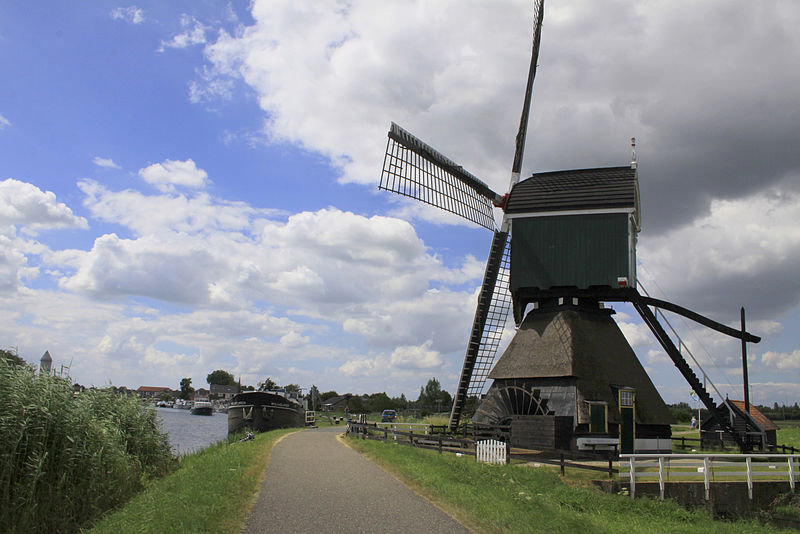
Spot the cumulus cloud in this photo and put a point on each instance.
(742, 253)
(148, 267)
(106, 163)
(416, 357)
(154, 214)
(783, 361)
(13, 264)
(341, 275)
(131, 14)
(461, 89)
(165, 176)
(28, 207)
(194, 33)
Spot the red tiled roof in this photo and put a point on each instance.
(757, 416)
(153, 388)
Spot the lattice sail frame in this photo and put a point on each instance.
(413, 169)
(496, 319)
(491, 315)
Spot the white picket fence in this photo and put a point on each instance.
(422, 428)
(708, 468)
(491, 451)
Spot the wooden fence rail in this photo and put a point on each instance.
(710, 467)
(467, 445)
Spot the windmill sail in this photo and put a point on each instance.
(519, 150)
(480, 355)
(414, 169)
(494, 303)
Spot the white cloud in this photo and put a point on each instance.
(13, 264)
(657, 356)
(165, 176)
(330, 79)
(744, 252)
(148, 267)
(637, 334)
(25, 205)
(130, 14)
(416, 357)
(4, 122)
(366, 71)
(294, 340)
(164, 214)
(106, 163)
(783, 361)
(194, 34)
(342, 275)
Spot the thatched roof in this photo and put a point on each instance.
(585, 344)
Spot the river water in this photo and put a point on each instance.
(189, 433)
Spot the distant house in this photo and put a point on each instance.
(218, 391)
(149, 392)
(201, 393)
(337, 404)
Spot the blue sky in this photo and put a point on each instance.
(187, 186)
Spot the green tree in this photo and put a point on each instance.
(186, 388)
(328, 395)
(356, 404)
(221, 378)
(433, 395)
(292, 387)
(268, 384)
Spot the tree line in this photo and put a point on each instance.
(432, 398)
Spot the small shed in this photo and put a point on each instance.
(573, 228)
(759, 430)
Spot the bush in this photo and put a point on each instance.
(65, 459)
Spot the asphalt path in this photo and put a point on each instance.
(314, 483)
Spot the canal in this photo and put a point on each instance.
(189, 433)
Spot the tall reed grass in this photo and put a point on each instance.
(65, 459)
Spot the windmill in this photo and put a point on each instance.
(565, 245)
(414, 169)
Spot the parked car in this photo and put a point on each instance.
(388, 416)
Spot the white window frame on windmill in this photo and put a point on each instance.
(626, 398)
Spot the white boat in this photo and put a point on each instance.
(202, 407)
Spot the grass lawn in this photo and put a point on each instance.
(525, 499)
(789, 433)
(211, 492)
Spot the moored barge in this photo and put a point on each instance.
(265, 410)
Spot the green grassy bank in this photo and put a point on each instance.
(211, 492)
(518, 499)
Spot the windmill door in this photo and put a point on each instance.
(627, 427)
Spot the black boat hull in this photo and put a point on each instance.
(262, 411)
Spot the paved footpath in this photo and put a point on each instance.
(316, 484)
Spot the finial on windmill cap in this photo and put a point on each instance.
(633, 152)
